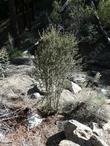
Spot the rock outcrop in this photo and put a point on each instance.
(82, 134)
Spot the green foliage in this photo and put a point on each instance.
(54, 59)
(55, 15)
(89, 33)
(4, 57)
(75, 16)
(104, 12)
(72, 17)
(14, 52)
(4, 60)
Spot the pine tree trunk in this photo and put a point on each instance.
(13, 22)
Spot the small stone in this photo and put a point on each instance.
(36, 96)
(34, 121)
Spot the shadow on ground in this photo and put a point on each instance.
(55, 139)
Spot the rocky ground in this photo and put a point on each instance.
(22, 125)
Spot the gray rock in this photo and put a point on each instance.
(75, 88)
(96, 129)
(71, 86)
(76, 131)
(105, 92)
(68, 143)
(65, 102)
(106, 126)
(82, 134)
(97, 141)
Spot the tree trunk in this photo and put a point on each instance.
(13, 22)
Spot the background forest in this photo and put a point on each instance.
(87, 20)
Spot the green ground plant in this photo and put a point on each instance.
(14, 52)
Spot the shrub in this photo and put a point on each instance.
(54, 59)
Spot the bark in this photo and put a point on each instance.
(13, 22)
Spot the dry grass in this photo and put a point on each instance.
(34, 137)
(89, 106)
